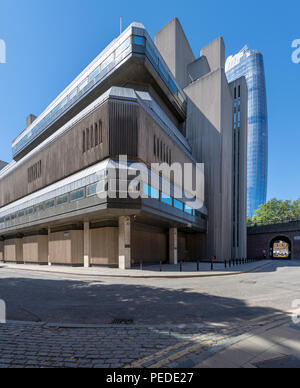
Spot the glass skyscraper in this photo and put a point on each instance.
(250, 64)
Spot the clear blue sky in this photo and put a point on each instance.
(50, 42)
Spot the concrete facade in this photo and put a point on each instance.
(209, 129)
(153, 103)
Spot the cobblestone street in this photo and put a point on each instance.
(37, 345)
(56, 321)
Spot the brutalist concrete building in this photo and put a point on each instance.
(150, 103)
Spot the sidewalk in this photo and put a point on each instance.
(276, 346)
(189, 270)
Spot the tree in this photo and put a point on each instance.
(276, 211)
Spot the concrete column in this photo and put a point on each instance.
(86, 245)
(124, 243)
(173, 246)
(49, 234)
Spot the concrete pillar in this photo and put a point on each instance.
(86, 245)
(173, 246)
(49, 234)
(124, 243)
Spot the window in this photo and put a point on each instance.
(188, 210)
(49, 204)
(96, 134)
(83, 84)
(123, 47)
(34, 172)
(38, 208)
(92, 136)
(178, 205)
(77, 195)
(94, 73)
(166, 199)
(62, 199)
(151, 192)
(163, 71)
(73, 94)
(21, 213)
(100, 132)
(95, 188)
(173, 86)
(63, 103)
(29, 211)
(138, 40)
(87, 136)
(153, 56)
(83, 142)
(107, 62)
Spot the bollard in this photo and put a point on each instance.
(160, 266)
(212, 265)
(181, 266)
(225, 264)
(141, 266)
(229, 263)
(198, 267)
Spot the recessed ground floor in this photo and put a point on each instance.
(121, 243)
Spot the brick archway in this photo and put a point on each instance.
(285, 239)
(261, 236)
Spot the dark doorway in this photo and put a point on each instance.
(281, 248)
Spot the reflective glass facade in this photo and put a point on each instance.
(250, 64)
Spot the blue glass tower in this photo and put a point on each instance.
(250, 64)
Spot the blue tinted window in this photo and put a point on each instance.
(178, 204)
(166, 199)
(152, 54)
(76, 195)
(163, 71)
(138, 40)
(188, 210)
(151, 192)
(173, 86)
(62, 199)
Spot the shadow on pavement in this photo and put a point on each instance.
(75, 301)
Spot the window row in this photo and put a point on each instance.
(153, 193)
(34, 172)
(102, 67)
(76, 195)
(92, 137)
(162, 151)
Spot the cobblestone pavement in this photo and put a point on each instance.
(50, 346)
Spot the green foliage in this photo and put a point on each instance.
(275, 211)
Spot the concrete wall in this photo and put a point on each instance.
(13, 250)
(104, 246)
(35, 249)
(176, 50)
(209, 130)
(66, 248)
